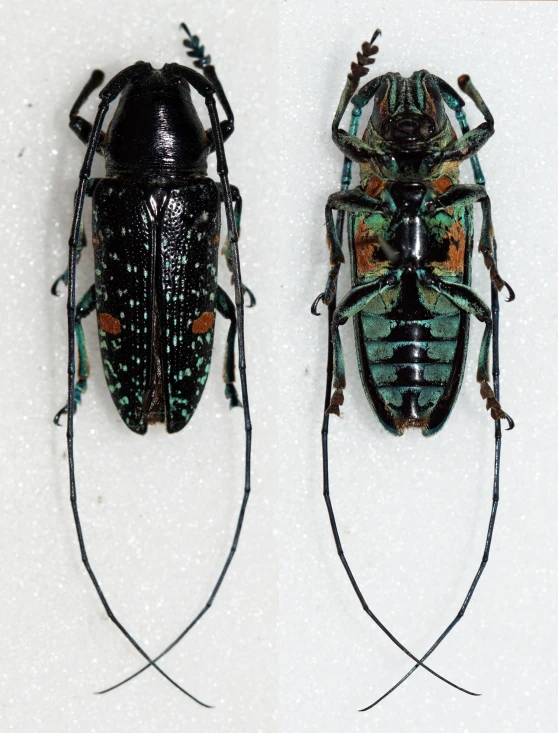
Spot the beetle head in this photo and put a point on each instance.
(408, 113)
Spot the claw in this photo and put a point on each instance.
(63, 411)
(54, 288)
(511, 424)
(314, 306)
(511, 294)
(246, 290)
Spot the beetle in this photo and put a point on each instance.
(410, 240)
(156, 229)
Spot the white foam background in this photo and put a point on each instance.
(286, 646)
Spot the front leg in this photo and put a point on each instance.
(473, 140)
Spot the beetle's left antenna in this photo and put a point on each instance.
(110, 92)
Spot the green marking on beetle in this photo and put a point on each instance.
(123, 367)
(384, 373)
(132, 302)
(174, 340)
(145, 274)
(97, 271)
(188, 372)
(124, 401)
(123, 230)
(200, 361)
(129, 267)
(203, 379)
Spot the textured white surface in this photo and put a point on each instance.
(286, 646)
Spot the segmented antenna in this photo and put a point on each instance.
(197, 51)
(365, 58)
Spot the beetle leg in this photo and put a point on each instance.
(225, 307)
(85, 306)
(352, 201)
(465, 298)
(355, 301)
(466, 195)
(237, 198)
(79, 125)
(82, 242)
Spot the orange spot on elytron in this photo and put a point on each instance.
(95, 240)
(204, 322)
(109, 323)
(441, 184)
(216, 239)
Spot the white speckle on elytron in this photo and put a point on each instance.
(123, 230)
(132, 302)
(129, 267)
(121, 314)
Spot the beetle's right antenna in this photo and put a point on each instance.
(366, 58)
(197, 51)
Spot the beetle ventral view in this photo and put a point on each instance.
(410, 240)
(155, 233)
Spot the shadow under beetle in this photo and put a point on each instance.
(156, 228)
(410, 235)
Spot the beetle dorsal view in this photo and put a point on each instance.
(410, 237)
(155, 232)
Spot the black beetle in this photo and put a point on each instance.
(156, 225)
